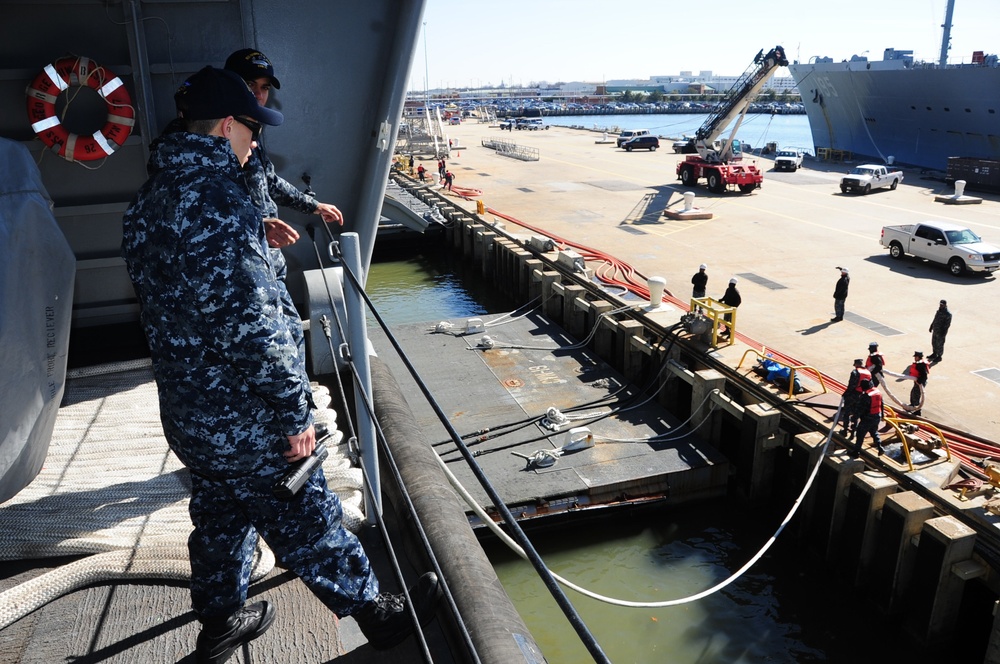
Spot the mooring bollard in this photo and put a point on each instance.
(688, 200)
(959, 188)
(656, 287)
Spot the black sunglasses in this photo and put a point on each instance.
(253, 126)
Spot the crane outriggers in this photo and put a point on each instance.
(720, 162)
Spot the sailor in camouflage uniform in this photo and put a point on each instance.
(235, 401)
(268, 189)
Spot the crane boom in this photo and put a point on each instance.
(736, 103)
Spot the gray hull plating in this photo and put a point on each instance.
(919, 115)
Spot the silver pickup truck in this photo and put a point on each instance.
(942, 242)
(866, 177)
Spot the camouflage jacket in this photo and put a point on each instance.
(269, 190)
(230, 379)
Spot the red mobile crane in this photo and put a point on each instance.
(721, 162)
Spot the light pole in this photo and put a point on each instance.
(426, 98)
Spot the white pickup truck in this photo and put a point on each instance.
(866, 177)
(942, 242)
(787, 160)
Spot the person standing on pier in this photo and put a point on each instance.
(731, 298)
(840, 295)
(874, 363)
(920, 370)
(939, 330)
(421, 171)
(869, 408)
(852, 393)
(449, 177)
(699, 282)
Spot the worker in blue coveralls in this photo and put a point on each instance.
(235, 402)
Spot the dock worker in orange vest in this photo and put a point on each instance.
(874, 363)
(870, 410)
(849, 413)
(920, 370)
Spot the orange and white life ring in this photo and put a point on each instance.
(66, 73)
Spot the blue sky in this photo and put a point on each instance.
(474, 42)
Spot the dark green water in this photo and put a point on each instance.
(428, 287)
(788, 608)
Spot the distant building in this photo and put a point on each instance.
(778, 84)
(683, 83)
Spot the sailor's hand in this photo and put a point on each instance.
(301, 445)
(279, 234)
(329, 213)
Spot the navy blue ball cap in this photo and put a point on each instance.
(214, 93)
(251, 64)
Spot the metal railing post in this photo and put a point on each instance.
(357, 341)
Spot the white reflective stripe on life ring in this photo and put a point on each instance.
(121, 120)
(103, 142)
(50, 71)
(110, 87)
(42, 125)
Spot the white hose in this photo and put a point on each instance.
(111, 487)
(516, 548)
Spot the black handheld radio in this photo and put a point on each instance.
(296, 477)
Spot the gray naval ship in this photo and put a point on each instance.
(917, 113)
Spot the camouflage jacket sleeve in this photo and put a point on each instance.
(283, 192)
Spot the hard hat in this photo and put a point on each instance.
(733, 280)
(873, 344)
(705, 267)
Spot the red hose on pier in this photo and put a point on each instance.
(617, 273)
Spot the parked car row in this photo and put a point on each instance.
(529, 124)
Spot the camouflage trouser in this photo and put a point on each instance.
(305, 534)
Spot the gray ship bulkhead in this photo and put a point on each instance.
(343, 74)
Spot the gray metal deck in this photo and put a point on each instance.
(519, 379)
(110, 483)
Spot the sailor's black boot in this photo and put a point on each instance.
(385, 620)
(219, 640)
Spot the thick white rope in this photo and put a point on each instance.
(110, 486)
(516, 548)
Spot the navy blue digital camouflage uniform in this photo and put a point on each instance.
(269, 190)
(231, 381)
